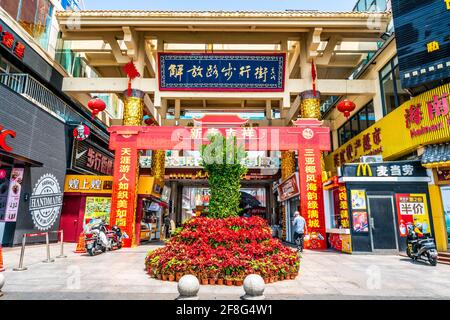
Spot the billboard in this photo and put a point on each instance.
(423, 40)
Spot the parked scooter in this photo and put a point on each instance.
(96, 239)
(115, 237)
(421, 246)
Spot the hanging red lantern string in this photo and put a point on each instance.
(132, 73)
(346, 106)
(96, 105)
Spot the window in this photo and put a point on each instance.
(393, 95)
(359, 122)
(33, 15)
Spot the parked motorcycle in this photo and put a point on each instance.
(96, 239)
(421, 246)
(115, 237)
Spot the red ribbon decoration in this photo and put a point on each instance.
(132, 73)
(313, 76)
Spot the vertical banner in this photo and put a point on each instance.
(15, 187)
(123, 202)
(412, 209)
(311, 197)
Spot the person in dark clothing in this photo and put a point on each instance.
(166, 226)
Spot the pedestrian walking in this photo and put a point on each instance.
(166, 226)
(299, 226)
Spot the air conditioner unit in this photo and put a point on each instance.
(371, 159)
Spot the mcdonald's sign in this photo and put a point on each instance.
(364, 170)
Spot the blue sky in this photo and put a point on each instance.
(279, 5)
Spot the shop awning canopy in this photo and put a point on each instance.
(437, 155)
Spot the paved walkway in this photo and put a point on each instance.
(120, 275)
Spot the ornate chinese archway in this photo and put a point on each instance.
(307, 136)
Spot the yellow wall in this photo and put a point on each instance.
(395, 137)
(438, 218)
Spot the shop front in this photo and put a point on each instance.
(85, 198)
(383, 200)
(419, 129)
(288, 196)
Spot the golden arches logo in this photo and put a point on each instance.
(364, 170)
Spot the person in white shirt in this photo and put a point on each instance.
(299, 226)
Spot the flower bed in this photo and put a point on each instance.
(223, 251)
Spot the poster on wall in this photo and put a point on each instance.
(4, 188)
(15, 187)
(412, 210)
(445, 191)
(97, 208)
(359, 200)
(360, 221)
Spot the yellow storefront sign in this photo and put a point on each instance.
(88, 184)
(423, 120)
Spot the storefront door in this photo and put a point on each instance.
(445, 192)
(382, 224)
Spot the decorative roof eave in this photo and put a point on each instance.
(150, 15)
(434, 165)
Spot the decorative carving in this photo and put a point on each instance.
(310, 105)
(287, 164)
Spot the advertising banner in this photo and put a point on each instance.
(311, 198)
(412, 209)
(97, 208)
(222, 71)
(15, 187)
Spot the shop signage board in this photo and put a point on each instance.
(222, 71)
(91, 159)
(15, 188)
(412, 209)
(289, 188)
(4, 135)
(384, 171)
(423, 42)
(423, 120)
(9, 41)
(88, 184)
(97, 208)
(46, 202)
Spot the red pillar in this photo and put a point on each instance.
(311, 196)
(123, 202)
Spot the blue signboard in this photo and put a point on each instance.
(221, 72)
(422, 31)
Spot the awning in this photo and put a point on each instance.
(437, 155)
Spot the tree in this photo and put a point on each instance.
(221, 159)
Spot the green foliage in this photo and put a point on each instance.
(221, 159)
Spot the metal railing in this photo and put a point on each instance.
(36, 92)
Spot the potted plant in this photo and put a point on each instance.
(229, 280)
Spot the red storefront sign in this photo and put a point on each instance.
(289, 188)
(8, 40)
(311, 197)
(124, 192)
(3, 135)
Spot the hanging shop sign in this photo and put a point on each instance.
(412, 209)
(222, 72)
(289, 188)
(88, 184)
(4, 134)
(46, 202)
(423, 120)
(384, 171)
(81, 132)
(8, 41)
(15, 187)
(89, 158)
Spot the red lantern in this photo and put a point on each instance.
(96, 105)
(346, 107)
